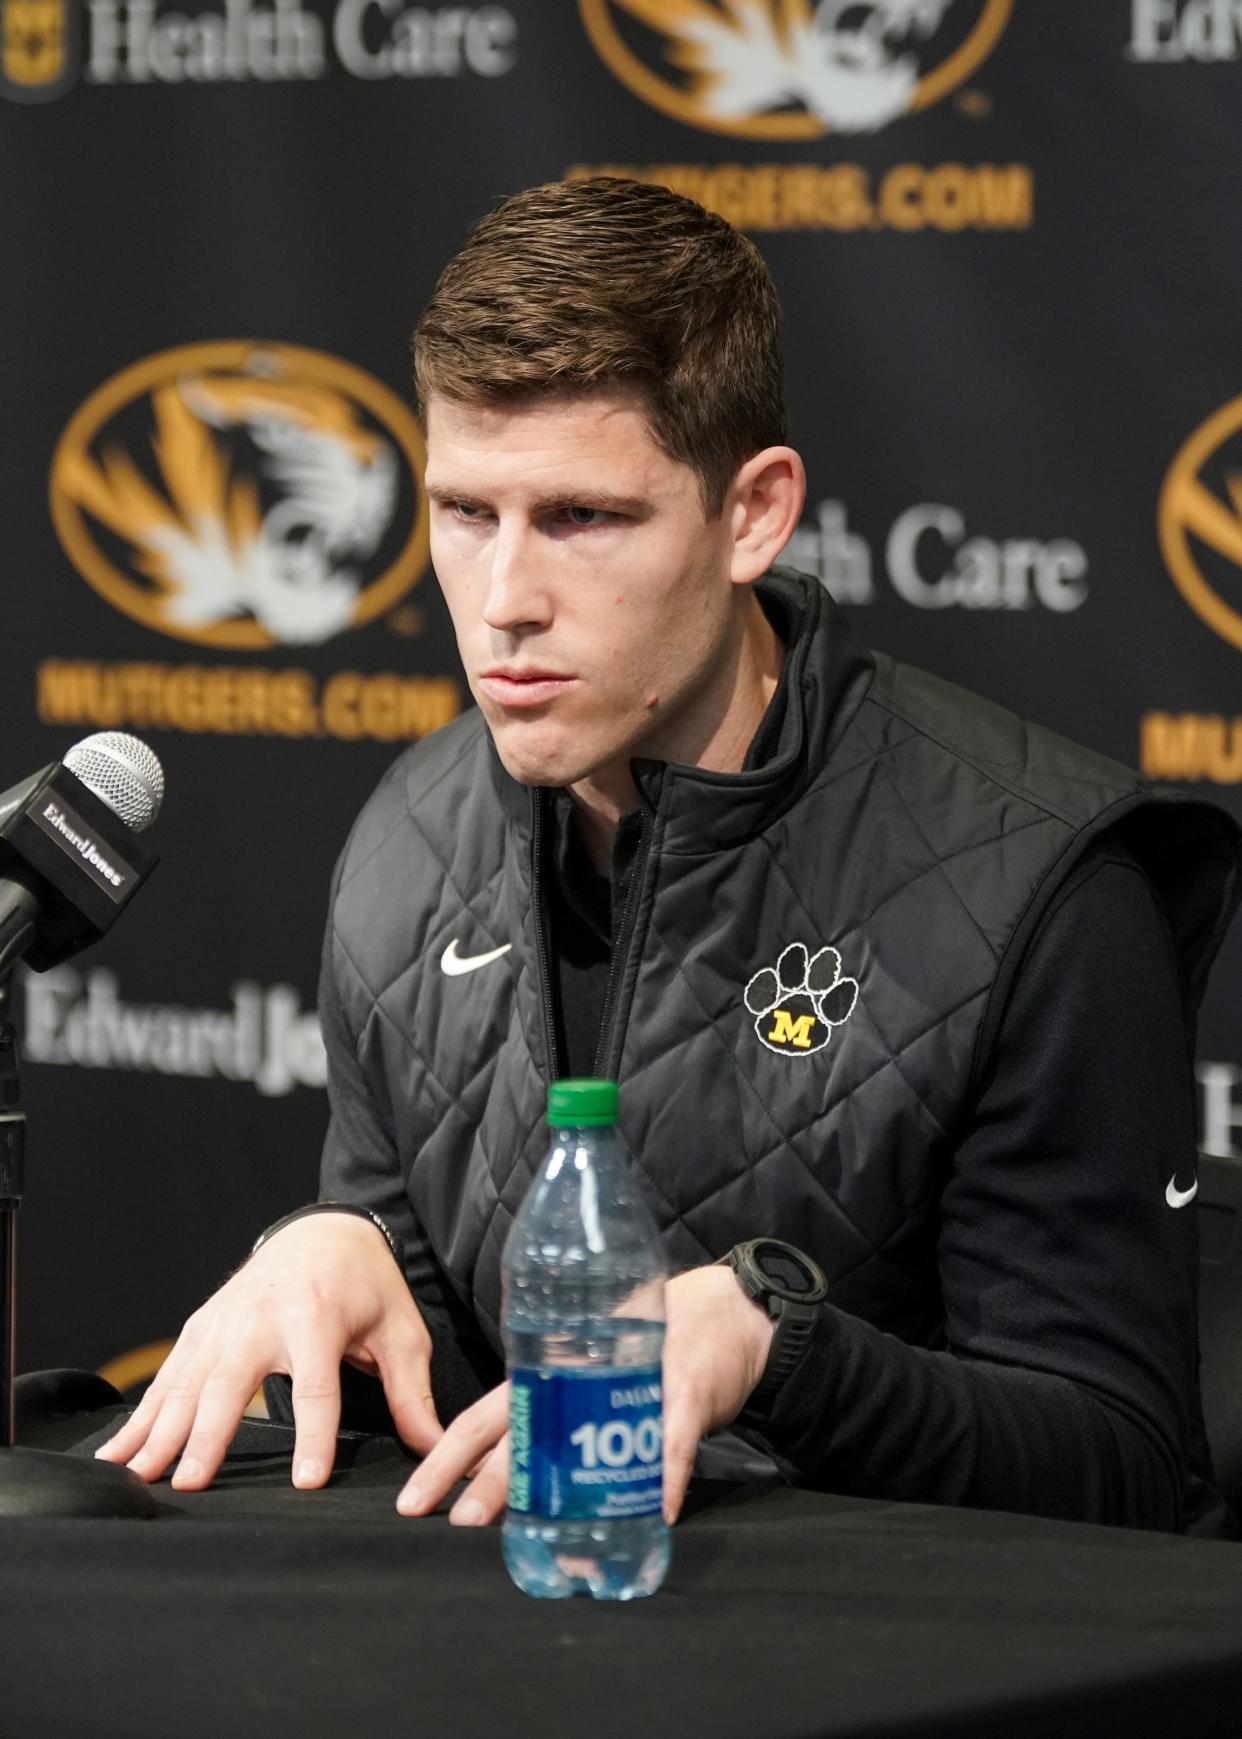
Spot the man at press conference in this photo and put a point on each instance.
(882, 971)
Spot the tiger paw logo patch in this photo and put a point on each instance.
(797, 1003)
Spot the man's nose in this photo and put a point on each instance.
(518, 595)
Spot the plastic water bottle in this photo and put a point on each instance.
(583, 1326)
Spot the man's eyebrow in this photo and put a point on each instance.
(606, 500)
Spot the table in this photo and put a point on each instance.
(256, 1609)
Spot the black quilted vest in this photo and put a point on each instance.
(806, 987)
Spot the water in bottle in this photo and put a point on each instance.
(583, 1326)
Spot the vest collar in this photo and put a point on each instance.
(824, 678)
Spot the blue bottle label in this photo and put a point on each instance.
(586, 1444)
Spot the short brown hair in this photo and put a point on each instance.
(605, 282)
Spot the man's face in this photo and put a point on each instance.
(589, 592)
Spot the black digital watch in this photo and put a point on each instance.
(791, 1288)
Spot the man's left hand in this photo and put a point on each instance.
(715, 1349)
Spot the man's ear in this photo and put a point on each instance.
(763, 506)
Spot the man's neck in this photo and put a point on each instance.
(715, 736)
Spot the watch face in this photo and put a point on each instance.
(783, 1269)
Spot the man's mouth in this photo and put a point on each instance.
(515, 687)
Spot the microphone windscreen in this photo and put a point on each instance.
(123, 772)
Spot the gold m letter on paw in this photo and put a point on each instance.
(789, 1031)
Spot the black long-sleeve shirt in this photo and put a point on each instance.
(1066, 1385)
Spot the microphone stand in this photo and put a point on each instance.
(39, 1482)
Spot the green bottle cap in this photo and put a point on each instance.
(582, 1104)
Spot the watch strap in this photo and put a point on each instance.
(795, 1319)
(795, 1330)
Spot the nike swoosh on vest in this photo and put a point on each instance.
(453, 964)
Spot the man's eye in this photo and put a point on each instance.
(587, 517)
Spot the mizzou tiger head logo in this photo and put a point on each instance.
(243, 495)
(790, 69)
(1200, 522)
(38, 49)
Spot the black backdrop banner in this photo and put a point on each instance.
(1005, 236)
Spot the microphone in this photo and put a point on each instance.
(70, 855)
(71, 859)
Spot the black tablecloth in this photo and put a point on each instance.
(254, 1609)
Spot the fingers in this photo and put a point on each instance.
(316, 1393)
(160, 1425)
(488, 1492)
(405, 1370)
(197, 1400)
(133, 1434)
(184, 1409)
(469, 1441)
(206, 1424)
(323, 1287)
(683, 1426)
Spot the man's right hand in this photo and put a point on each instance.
(322, 1289)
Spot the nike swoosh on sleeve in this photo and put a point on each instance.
(1178, 1198)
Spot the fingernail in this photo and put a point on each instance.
(187, 1472)
(308, 1473)
(468, 1514)
(410, 1501)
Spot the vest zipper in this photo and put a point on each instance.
(621, 942)
(540, 910)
